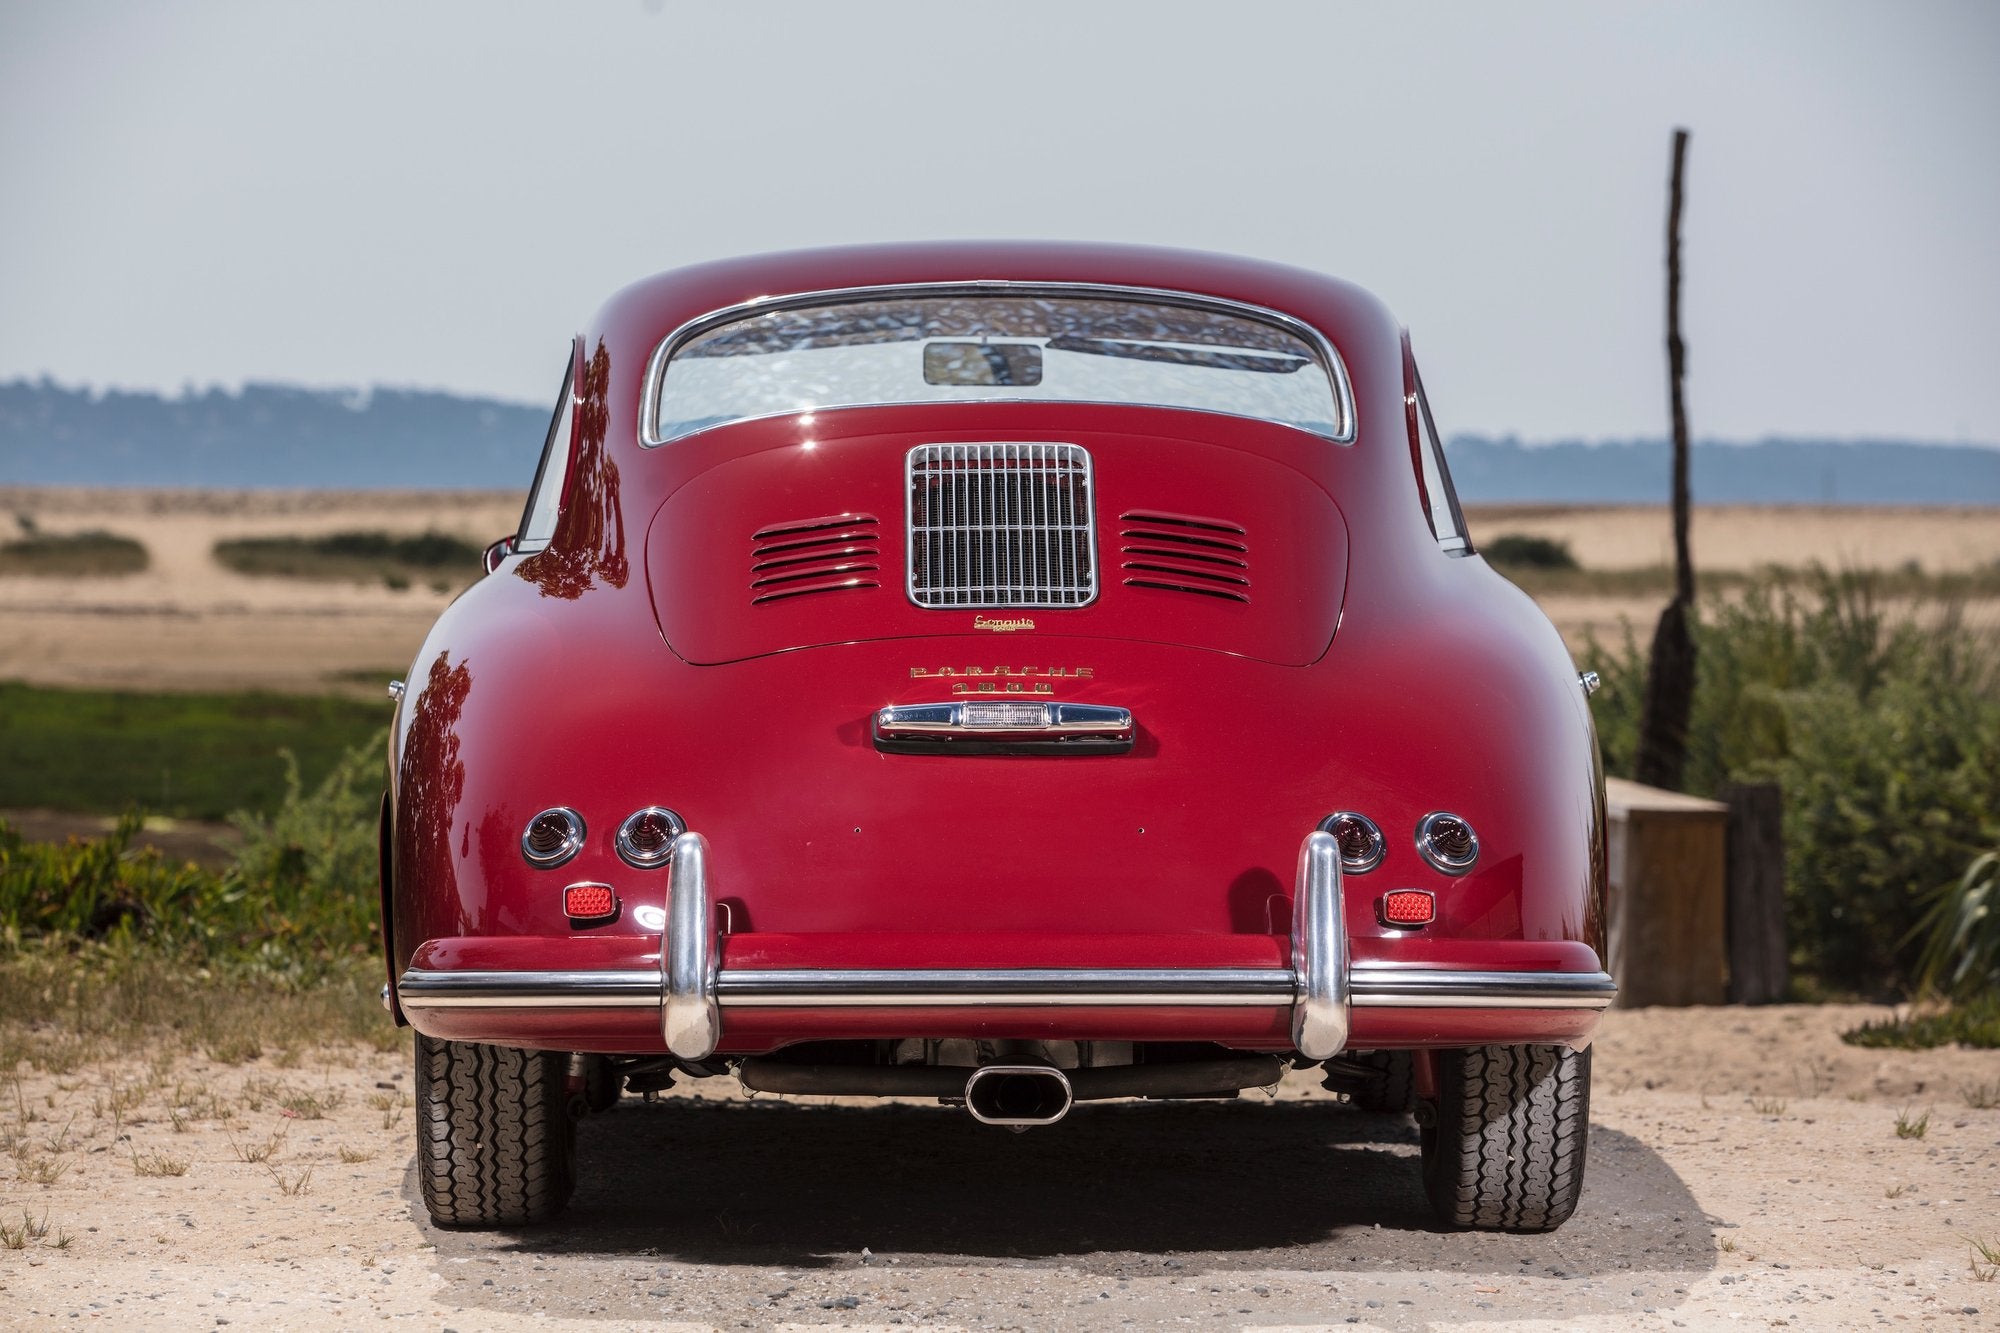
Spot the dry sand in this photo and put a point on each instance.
(187, 623)
(1745, 1171)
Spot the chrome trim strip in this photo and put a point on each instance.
(1319, 951)
(1393, 987)
(1371, 986)
(656, 365)
(690, 1020)
(1027, 986)
(421, 989)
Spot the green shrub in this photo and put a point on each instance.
(315, 860)
(1961, 932)
(71, 554)
(359, 557)
(1974, 1023)
(1884, 732)
(1520, 550)
(299, 902)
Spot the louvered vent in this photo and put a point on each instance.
(1181, 554)
(829, 554)
(1001, 525)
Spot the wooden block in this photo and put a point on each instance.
(1759, 963)
(1666, 909)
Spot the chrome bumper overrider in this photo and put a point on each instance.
(1320, 987)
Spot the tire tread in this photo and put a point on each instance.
(495, 1141)
(1512, 1133)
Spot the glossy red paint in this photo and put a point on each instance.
(627, 666)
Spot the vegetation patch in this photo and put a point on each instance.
(1519, 550)
(71, 554)
(188, 756)
(1974, 1023)
(1882, 727)
(394, 559)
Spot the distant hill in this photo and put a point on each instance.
(269, 435)
(277, 435)
(1767, 472)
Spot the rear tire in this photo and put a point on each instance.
(496, 1145)
(1395, 1092)
(1507, 1150)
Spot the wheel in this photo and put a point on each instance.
(1506, 1150)
(1394, 1092)
(496, 1145)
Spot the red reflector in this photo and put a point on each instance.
(586, 902)
(1409, 907)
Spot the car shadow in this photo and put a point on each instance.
(1120, 1189)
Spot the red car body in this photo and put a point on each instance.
(1160, 885)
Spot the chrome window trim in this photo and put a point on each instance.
(656, 364)
(1371, 986)
(565, 413)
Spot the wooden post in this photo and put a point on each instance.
(1663, 718)
(1759, 967)
(1665, 909)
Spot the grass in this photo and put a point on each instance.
(1985, 1262)
(1974, 1023)
(394, 559)
(188, 756)
(158, 1164)
(1980, 1096)
(72, 555)
(97, 1003)
(1912, 1127)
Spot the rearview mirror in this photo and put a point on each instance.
(499, 551)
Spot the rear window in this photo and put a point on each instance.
(1016, 347)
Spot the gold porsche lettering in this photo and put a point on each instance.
(1003, 679)
(1002, 672)
(1002, 626)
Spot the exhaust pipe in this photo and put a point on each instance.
(1017, 1095)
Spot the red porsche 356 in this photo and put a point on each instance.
(1019, 675)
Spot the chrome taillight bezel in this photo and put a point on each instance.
(1434, 856)
(638, 859)
(573, 833)
(1378, 845)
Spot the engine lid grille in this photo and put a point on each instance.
(829, 554)
(1180, 553)
(1001, 525)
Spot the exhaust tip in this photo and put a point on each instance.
(1017, 1096)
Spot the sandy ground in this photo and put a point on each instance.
(1746, 1170)
(186, 623)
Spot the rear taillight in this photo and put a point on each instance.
(1360, 841)
(553, 837)
(646, 838)
(1447, 842)
(589, 902)
(1406, 909)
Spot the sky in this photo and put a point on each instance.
(439, 194)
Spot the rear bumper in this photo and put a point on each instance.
(698, 990)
